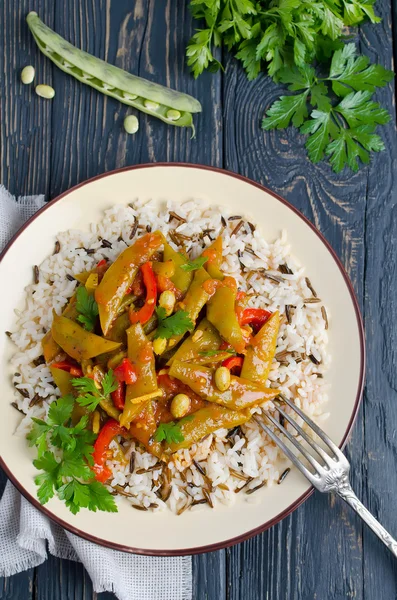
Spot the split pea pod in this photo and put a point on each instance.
(149, 97)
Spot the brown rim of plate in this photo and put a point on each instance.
(245, 536)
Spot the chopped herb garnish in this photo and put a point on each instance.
(177, 324)
(193, 265)
(67, 473)
(170, 432)
(89, 395)
(87, 307)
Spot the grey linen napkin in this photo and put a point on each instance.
(25, 532)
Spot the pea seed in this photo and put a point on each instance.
(27, 75)
(167, 301)
(180, 406)
(151, 105)
(222, 378)
(45, 91)
(129, 96)
(173, 115)
(131, 124)
(159, 345)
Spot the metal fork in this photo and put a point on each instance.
(331, 473)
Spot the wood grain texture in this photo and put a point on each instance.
(321, 551)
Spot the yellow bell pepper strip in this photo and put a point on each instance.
(261, 351)
(241, 393)
(182, 279)
(77, 342)
(100, 269)
(146, 312)
(140, 353)
(206, 421)
(215, 259)
(92, 282)
(120, 275)
(205, 337)
(50, 348)
(221, 313)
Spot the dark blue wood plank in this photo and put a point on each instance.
(380, 313)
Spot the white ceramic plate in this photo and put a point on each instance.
(164, 533)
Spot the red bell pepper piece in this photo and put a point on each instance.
(101, 263)
(234, 362)
(101, 447)
(126, 372)
(118, 396)
(143, 314)
(69, 367)
(255, 317)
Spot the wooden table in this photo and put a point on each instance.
(322, 551)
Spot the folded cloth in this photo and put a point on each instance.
(25, 532)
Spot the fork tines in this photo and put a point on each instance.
(318, 467)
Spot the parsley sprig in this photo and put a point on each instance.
(87, 308)
(341, 126)
(171, 432)
(193, 265)
(66, 471)
(89, 396)
(177, 324)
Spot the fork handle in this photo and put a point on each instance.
(347, 494)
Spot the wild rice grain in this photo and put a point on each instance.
(134, 228)
(138, 507)
(237, 228)
(283, 476)
(251, 226)
(70, 277)
(309, 285)
(8, 333)
(258, 487)
(312, 300)
(57, 247)
(207, 496)
(174, 215)
(314, 360)
(285, 269)
(36, 274)
(106, 244)
(288, 313)
(237, 490)
(197, 502)
(132, 462)
(325, 316)
(223, 221)
(234, 218)
(35, 400)
(15, 405)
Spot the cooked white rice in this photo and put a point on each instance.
(251, 455)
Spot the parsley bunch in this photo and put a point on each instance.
(89, 395)
(275, 33)
(341, 125)
(66, 470)
(289, 37)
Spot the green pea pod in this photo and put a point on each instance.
(241, 393)
(206, 421)
(205, 337)
(221, 313)
(146, 96)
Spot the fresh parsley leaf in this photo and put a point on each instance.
(73, 466)
(170, 432)
(48, 480)
(93, 496)
(284, 110)
(89, 395)
(193, 265)
(177, 324)
(38, 432)
(356, 11)
(101, 498)
(350, 72)
(87, 307)
(60, 410)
